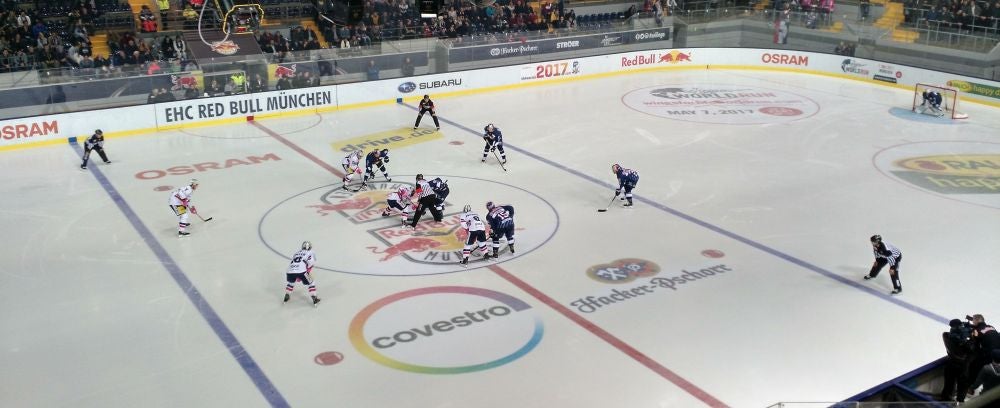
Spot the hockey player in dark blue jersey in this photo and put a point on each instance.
(627, 179)
(494, 141)
(377, 158)
(441, 189)
(932, 100)
(501, 220)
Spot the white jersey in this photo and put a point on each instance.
(471, 222)
(302, 262)
(352, 159)
(395, 196)
(180, 195)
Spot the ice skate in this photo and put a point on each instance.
(511, 248)
(183, 233)
(287, 296)
(316, 300)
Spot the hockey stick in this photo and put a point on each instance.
(202, 218)
(605, 209)
(498, 161)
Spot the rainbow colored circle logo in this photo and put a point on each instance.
(469, 329)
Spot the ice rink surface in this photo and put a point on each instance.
(734, 281)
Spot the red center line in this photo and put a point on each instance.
(617, 343)
(611, 339)
(298, 149)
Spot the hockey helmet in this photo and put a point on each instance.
(467, 208)
(384, 153)
(615, 168)
(420, 177)
(193, 183)
(489, 128)
(403, 192)
(489, 205)
(876, 238)
(99, 132)
(427, 97)
(306, 245)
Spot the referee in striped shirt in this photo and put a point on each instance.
(886, 254)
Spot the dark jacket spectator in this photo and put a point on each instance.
(406, 69)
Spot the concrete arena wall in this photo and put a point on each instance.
(135, 120)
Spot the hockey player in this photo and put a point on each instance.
(441, 189)
(501, 220)
(377, 158)
(180, 203)
(494, 141)
(886, 254)
(627, 179)
(399, 203)
(351, 165)
(95, 142)
(477, 234)
(427, 199)
(931, 100)
(427, 106)
(300, 270)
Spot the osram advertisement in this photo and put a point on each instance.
(59, 128)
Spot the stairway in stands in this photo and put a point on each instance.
(99, 45)
(891, 19)
(311, 25)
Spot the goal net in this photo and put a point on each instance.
(949, 101)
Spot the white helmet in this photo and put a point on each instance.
(306, 245)
(467, 208)
(403, 192)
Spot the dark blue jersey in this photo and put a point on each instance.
(627, 177)
(373, 159)
(494, 137)
(439, 187)
(501, 217)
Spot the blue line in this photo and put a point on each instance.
(891, 299)
(242, 356)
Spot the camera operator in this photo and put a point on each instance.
(986, 340)
(958, 343)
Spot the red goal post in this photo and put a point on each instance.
(949, 99)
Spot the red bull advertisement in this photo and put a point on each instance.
(657, 58)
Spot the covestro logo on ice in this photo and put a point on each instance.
(445, 330)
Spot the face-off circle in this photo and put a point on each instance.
(721, 104)
(350, 234)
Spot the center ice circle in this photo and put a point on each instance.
(350, 235)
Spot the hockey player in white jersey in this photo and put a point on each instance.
(300, 270)
(180, 203)
(352, 166)
(399, 204)
(477, 234)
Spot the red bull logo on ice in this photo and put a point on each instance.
(353, 233)
(429, 243)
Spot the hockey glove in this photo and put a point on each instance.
(194, 210)
(618, 192)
